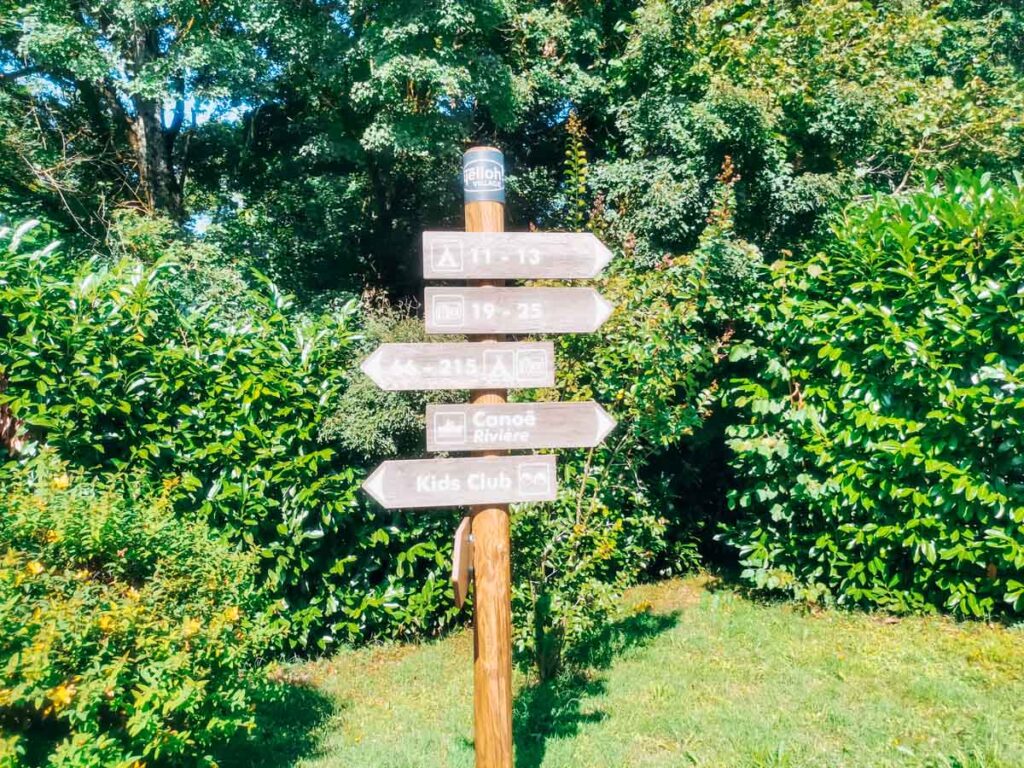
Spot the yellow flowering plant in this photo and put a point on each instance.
(127, 635)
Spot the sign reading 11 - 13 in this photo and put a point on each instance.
(453, 256)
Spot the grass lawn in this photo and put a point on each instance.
(693, 674)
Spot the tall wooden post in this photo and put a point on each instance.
(491, 480)
(484, 175)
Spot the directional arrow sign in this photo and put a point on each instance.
(486, 365)
(512, 255)
(515, 310)
(458, 482)
(516, 425)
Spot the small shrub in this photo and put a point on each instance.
(113, 365)
(127, 636)
(880, 441)
(653, 366)
(397, 562)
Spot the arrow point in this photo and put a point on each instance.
(604, 309)
(605, 423)
(374, 484)
(371, 367)
(369, 364)
(602, 254)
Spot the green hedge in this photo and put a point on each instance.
(145, 361)
(622, 514)
(125, 634)
(880, 445)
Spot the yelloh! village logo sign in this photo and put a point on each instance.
(483, 176)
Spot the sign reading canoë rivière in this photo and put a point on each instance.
(515, 426)
(512, 255)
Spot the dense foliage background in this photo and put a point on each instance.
(876, 441)
(209, 213)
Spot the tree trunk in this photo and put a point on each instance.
(154, 156)
(152, 141)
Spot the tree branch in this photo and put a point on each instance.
(179, 109)
(20, 73)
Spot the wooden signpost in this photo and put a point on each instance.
(514, 310)
(490, 480)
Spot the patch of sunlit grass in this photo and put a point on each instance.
(694, 674)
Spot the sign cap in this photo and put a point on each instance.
(483, 175)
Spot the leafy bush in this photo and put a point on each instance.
(653, 365)
(127, 636)
(881, 431)
(110, 364)
(814, 102)
(237, 403)
(397, 576)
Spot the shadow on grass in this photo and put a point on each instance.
(554, 709)
(288, 718)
